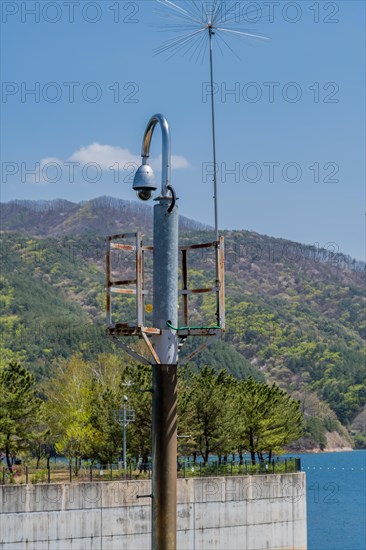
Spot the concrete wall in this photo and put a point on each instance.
(250, 512)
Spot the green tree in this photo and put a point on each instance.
(41, 441)
(69, 405)
(108, 389)
(314, 428)
(19, 405)
(112, 381)
(206, 411)
(267, 419)
(139, 438)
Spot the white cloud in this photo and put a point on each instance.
(48, 170)
(109, 155)
(178, 163)
(105, 156)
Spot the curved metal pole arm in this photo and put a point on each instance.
(165, 169)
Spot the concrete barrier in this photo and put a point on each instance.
(230, 513)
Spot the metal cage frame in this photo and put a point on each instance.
(136, 287)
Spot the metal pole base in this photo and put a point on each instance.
(164, 472)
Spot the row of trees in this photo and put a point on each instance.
(224, 415)
(77, 412)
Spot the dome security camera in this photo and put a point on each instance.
(144, 195)
(144, 182)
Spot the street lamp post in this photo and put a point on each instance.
(165, 301)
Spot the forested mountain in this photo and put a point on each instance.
(101, 216)
(295, 313)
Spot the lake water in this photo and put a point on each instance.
(336, 501)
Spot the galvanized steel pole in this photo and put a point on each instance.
(164, 397)
(124, 434)
(164, 428)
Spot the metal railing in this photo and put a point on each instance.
(186, 468)
(239, 468)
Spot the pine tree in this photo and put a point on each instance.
(19, 405)
(207, 407)
(267, 419)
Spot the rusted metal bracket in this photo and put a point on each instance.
(218, 288)
(151, 349)
(199, 349)
(129, 350)
(135, 286)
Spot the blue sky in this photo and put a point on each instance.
(291, 132)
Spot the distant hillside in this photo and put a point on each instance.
(295, 314)
(101, 216)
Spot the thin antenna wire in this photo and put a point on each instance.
(196, 19)
(214, 140)
(218, 320)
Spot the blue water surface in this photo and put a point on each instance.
(336, 502)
